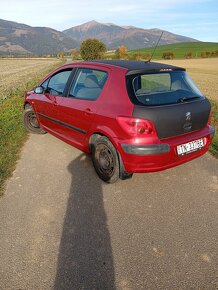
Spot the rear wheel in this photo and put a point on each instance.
(105, 159)
(30, 122)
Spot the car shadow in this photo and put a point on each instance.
(85, 258)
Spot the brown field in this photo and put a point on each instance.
(17, 72)
(203, 71)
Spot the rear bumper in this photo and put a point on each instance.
(156, 157)
(146, 149)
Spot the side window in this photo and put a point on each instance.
(57, 83)
(45, 84)
(88, 84)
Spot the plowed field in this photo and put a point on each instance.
(18, 72)
(204, 72)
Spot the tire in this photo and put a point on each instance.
(30, 122)
(105, 159)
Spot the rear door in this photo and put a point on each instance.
(77, 112)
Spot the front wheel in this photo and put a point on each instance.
(105, 159)
(30, 122)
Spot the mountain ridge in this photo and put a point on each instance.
(18, 38)
(114, 35)
(22, 39)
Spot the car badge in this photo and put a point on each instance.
(188, 116)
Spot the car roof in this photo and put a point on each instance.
(135, 66)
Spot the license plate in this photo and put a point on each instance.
(190, 147)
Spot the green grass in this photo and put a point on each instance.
(12, 133)
(180, 49)
(214, 146)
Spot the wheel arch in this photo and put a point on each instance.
(97, 134)
(27, 105)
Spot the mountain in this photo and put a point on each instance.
(132, 37)
(21, 39)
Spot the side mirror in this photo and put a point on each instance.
(39, 90)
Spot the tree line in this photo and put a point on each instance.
(93, 49)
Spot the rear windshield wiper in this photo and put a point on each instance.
(184, 99)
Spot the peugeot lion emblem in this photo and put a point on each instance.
(188, 116)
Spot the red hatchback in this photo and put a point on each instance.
(131, 116)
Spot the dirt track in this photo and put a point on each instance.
(62, 228)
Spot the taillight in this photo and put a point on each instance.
(136, 126)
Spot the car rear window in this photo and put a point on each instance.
(165, 88)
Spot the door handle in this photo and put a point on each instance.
(88, 112)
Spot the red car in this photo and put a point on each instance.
(131, 116)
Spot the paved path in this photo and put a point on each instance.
(62, 228)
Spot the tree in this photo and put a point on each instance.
(117, 54)
(121, 52)
(61, 54)
(75, 54)
(91, 49)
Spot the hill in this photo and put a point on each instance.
(180, 49)
(21, 39)
(113, 35)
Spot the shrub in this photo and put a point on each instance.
(136, 56)
(214, 53)
(188, 55)
(205, 54)
(168, 55)
(146, 56)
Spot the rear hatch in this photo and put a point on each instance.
(171, 100)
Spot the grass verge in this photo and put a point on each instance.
(214, 146)
(12, 133)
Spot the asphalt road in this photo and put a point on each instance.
(62, 228)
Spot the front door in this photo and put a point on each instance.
(47, 103)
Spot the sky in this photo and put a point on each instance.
(193, 18)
